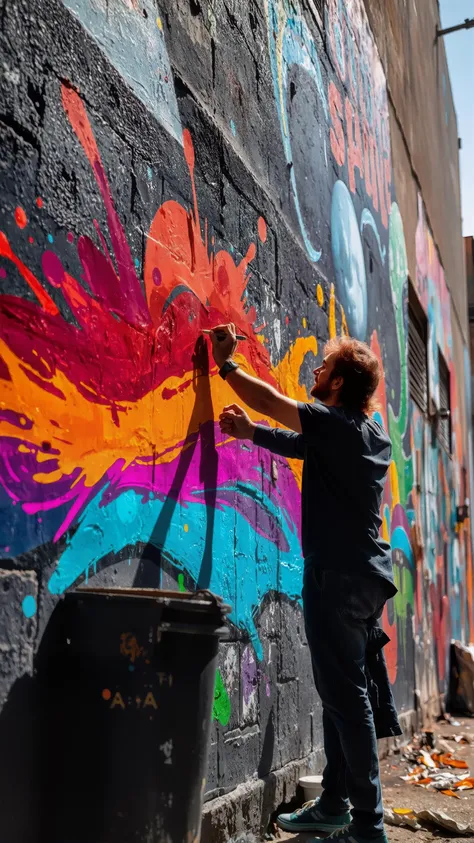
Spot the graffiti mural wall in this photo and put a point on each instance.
(134, 214)
(444, 587)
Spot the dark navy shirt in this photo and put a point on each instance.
(346, 459)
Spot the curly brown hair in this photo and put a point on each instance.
(359, 367)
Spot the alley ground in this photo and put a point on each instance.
(400, 794)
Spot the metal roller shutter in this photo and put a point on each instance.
(417, 360)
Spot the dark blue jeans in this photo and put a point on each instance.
(337, 612)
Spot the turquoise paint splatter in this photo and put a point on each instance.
(261, 567)
(29, 606)
(232, 128)
(50, 238)
(149, 173)
(400, 541)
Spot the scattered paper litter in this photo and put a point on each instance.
(428, 761)
(392, 817)
(436, 768)
(442, 820)
(411, 818)
(462, 739)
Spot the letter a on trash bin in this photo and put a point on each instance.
(150, 700)
(117, 700)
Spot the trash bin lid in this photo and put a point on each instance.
(202, 608)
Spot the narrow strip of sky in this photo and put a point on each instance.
(460, 52)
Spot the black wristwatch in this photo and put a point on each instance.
(228, 366)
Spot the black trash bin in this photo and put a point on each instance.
(130, 688)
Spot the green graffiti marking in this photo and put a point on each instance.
(404, 601)
(221, 708)
(398, 281)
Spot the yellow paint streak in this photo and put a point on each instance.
(186, 528)
(303, 322)
(394, 484)
(287, 371)
(41, 456)
(344, 328)
(287, 374)
(384, 530)
(320, 295)
(332, 313)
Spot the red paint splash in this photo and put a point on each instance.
(44, 299)
(20, 217)
(39, 202)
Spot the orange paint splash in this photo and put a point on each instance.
(262, 230)
(177, 260)
(74, 108)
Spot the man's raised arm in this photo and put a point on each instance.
(259, 396)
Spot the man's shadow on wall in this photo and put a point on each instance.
(201, 427)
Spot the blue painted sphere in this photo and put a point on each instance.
(348, 258)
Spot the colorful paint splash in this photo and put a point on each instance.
(107, 424)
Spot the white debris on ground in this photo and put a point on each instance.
(434, 766)
(412, 819)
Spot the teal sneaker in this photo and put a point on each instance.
(349, 835)
(311, 818)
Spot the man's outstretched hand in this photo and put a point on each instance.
(224, 343)
(235, 422)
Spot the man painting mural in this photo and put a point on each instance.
(348, 573)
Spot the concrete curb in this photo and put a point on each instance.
(249, 807)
